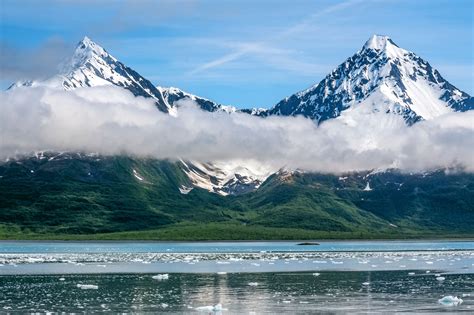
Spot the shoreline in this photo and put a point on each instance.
(401, 240)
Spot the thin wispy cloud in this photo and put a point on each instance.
(260, 47)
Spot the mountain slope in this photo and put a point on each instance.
(381, 77)
(69, 194)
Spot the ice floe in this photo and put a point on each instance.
(88, 286)
(160, 277)
(450, 300)
(210, 308)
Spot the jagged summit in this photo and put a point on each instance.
(87, 41)
(381, 77)
(384, 46)
(379, 42)
(86, 49)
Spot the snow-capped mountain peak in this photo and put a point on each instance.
(91, 65)
(380, 77)
(86, 51)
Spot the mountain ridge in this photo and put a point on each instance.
(381, 76)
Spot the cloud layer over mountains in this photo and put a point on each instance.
(110, 120)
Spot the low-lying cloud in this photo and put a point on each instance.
(110, 120)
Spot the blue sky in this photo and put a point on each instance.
(242, 53)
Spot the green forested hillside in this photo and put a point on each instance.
(91, 197)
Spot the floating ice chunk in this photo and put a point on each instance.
(437, 274)
(440, 278)
(164, 305)
(88, 286)
(210, 308)
(253, 284)
(61, 279)
(286, 301)
(316, 274)
(450, 300)
(411, 273)
(160, 277)
(366, 283)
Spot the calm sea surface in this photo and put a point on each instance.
(237, 277)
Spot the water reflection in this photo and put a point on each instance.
(273, 292)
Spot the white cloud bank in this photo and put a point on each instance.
(110, 120)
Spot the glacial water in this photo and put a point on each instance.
(237, 277)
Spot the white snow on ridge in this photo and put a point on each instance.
(137, 176)
(185, 190)
(227, 177)
(172, 95)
